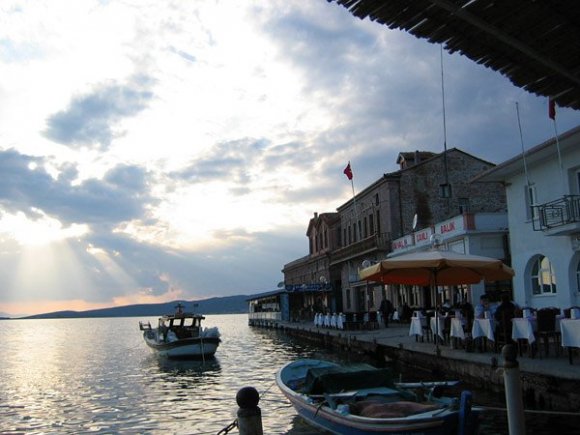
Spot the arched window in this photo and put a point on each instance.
(543, 277)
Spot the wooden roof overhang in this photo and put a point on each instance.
(536, 44)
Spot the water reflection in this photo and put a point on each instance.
(189, 368)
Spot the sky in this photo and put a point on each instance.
(154, 151)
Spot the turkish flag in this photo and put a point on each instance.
(348, 172)
(552, 109)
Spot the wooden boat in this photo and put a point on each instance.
(362, 400)
(181, 335)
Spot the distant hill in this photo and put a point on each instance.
(223, 305)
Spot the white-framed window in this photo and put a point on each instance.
(543, 277)
(531, 200)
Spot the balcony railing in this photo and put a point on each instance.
(557, 213)
(379, 242)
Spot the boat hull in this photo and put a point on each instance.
(185, 348)
(441, 422)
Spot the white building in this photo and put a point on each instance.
(543, 196)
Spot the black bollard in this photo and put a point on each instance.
(249, 413)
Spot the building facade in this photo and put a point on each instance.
(543, 192)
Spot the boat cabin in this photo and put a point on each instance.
(183, 325)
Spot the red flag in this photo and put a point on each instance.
(552, 109)
(348, 172)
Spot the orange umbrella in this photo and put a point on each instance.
(437, 267)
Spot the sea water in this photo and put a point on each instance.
(76, 376)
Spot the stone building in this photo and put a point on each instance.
(309, 280)
(428, 188)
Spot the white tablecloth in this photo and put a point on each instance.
(570, 332)
(434, 329)
(456, 329)
(416, 327)
(523, 329)
(483, 328)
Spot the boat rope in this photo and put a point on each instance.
(266, 390)
(229, 427)
(530, 411)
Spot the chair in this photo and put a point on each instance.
(547, 328)
(426, 327)
(503, 334)
(372, 321)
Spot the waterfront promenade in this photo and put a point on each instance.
(549, 382)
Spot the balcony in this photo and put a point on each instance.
(376, 242)
(559, 217)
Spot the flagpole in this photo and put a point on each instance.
(348, 172)
(552, 115)
(522, 142)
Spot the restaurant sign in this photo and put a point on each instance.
(423, 237)
(402, 243)
(451, 227)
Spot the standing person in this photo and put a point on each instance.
(386, 309)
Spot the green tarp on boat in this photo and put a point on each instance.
(331, 380)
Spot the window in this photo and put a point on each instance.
(366, 227)
(463, 205)
(543, 277)
(376, 199)
(445, 190)
(371, 297)
(371, 224)
(349, 234)
(378, 222)
(530, 193)
(578, 277)
(348, 304)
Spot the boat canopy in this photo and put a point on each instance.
(332, 380)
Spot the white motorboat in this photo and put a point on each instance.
(181, 335)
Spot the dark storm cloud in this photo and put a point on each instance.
(123, 193)
(90, 119)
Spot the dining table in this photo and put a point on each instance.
(570, 329)
(523, 329)
(416, 326)
(437, 325)
(456, 328)
(482, 331)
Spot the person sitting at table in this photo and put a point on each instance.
(482, 307)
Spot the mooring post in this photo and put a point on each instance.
(249, 413)
(513, 391)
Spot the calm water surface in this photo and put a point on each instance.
(78, 376)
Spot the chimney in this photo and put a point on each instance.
(315, 215)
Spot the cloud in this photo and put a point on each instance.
(121, 195)
(91, 119)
